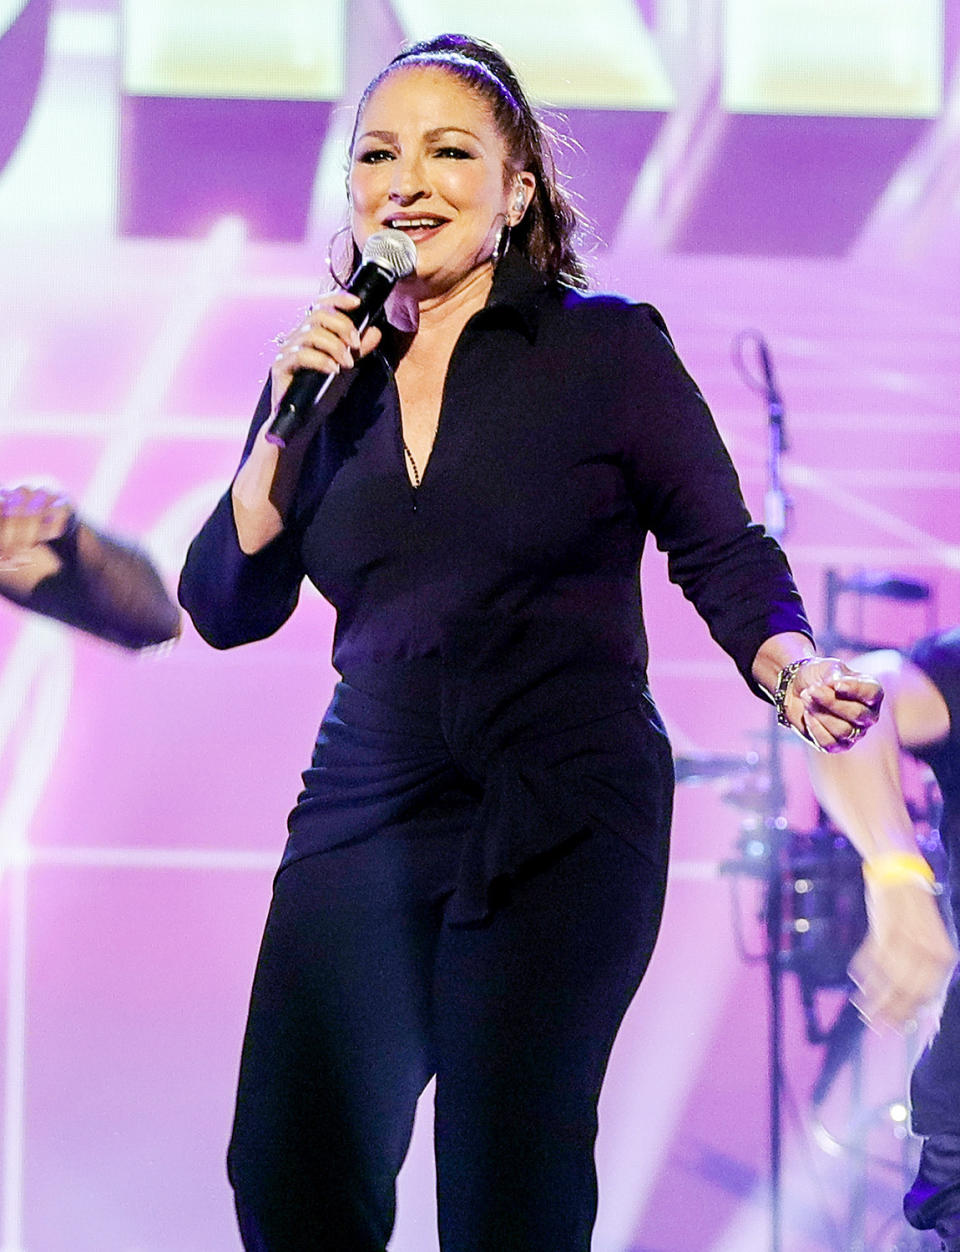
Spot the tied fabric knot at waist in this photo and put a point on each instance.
(400, 759)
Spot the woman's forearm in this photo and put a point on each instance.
(263, 489)
(775, 653)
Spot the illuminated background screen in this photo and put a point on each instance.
(171, 175)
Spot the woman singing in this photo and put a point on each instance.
(475, 867)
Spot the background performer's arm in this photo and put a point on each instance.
(907, 955)
(53, 563)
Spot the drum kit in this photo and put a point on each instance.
(821, 887)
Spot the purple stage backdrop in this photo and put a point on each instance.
(808, 189)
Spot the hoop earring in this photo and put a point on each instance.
(342, 256)
(502, 244)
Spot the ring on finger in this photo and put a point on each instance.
(807, 735)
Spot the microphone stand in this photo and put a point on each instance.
(776, 511)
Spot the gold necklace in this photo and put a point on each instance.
(413, 465)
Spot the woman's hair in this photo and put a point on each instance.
(546, 234)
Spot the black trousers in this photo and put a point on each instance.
(933, 1202)
(362, 992)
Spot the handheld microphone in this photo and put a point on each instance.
(388, 256)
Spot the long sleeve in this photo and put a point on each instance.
(686, 487)
(233, 598)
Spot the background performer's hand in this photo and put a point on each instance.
(904, 963)
(29, 518)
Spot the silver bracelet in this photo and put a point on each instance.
(784, 679)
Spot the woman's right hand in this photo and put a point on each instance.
(326, 341)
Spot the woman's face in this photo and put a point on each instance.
(429, 160)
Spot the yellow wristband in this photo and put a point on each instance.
(894, 867)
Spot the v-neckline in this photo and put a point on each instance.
(416, 487)
(415, 482)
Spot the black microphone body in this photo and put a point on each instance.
(387, 257)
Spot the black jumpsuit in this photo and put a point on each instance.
(474, 873)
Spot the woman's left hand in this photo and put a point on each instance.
(831, 704)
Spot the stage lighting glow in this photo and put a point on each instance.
(220, 50)
(857, 58)
(84, 36)
(898, 1112)
(600, 56)
(10, 10)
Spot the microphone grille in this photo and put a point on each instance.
(392, 250)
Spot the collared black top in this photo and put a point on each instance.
(489, 630)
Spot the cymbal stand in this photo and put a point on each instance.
(776, 509)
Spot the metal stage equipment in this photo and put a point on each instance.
(813, 909)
